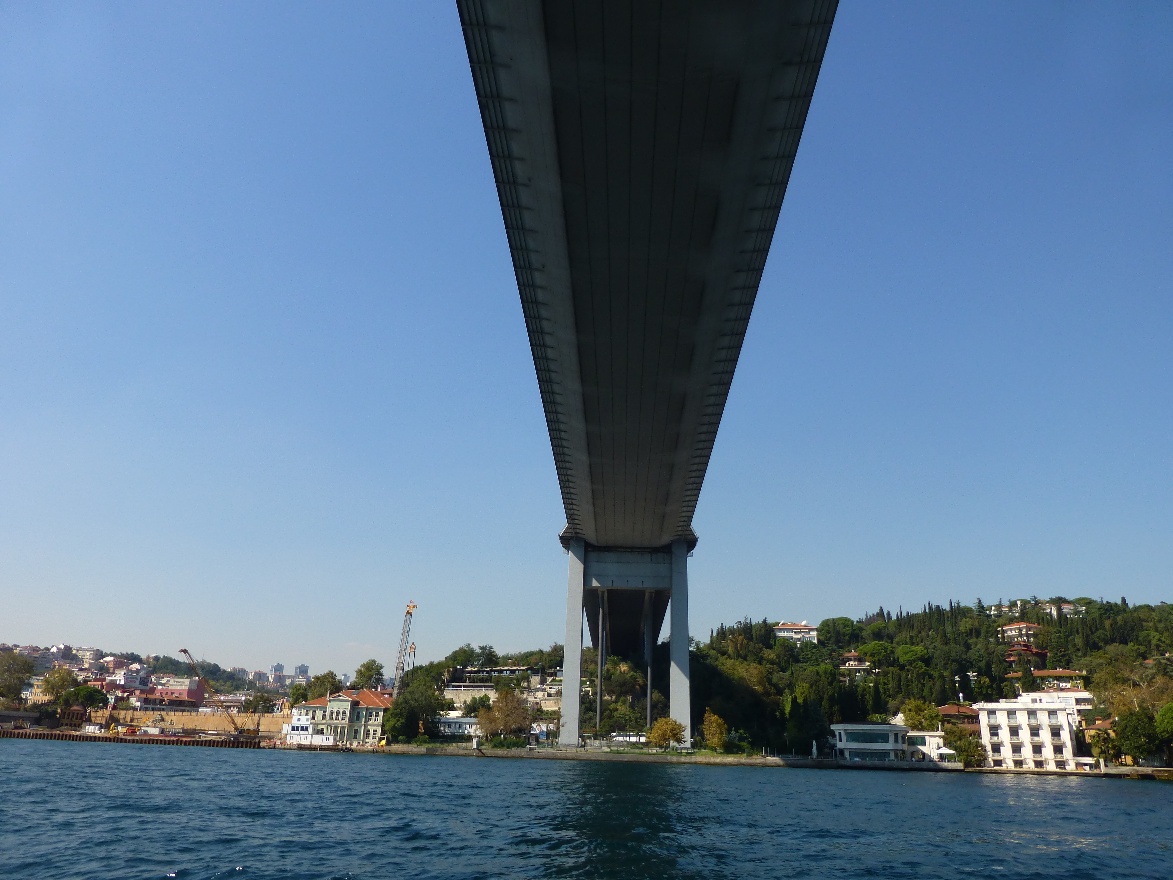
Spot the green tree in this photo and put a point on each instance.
(1028, 683)
(1104, 746)
(1136, 734)
(465, 655)
(1164, 724)
(86, 696)
(968, 746)
(879, 654)
(326, 683)
(298, 694)
(666, 732)
(485, 657)
(57, 681)
(369, 675)
(258, 703)
(909, 655)
(472, 708)
(920, 715)
(15, 672)
(714, 730)
(414, 712)
(509, 715)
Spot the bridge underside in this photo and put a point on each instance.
(641, 153)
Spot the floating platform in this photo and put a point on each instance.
(215, 742)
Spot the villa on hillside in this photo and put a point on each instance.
(1019, 632)
(798, 633)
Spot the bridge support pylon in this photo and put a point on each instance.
(625, 594)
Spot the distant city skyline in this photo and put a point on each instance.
(265, 378)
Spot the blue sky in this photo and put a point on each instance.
(264, 377)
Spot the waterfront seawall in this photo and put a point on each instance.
(75, 736)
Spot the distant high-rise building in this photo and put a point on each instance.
(277, 669)
(302, 670)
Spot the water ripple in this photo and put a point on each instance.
(74, 811)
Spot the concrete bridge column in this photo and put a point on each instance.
(568, 730)
(680, 698)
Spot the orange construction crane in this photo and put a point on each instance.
(237, 730)
(401, 660)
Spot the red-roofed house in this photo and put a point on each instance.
(347, 718)
(799, 633)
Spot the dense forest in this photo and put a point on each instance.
(781, 696)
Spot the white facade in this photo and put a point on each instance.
(1036, 731)
(1019, 632)
(799, 633)
(305, 730)
(870, 742)
(349, 718)
(459, 726)
(927, 745)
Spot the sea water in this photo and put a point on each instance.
(88, 810)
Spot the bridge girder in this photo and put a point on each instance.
(641, 152)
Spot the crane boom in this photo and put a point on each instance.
(208, 689)
(401, 660)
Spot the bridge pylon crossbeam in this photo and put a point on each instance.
(625, 595)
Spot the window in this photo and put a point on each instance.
(1013, 732)
(867, 736)
(1053, 717)
(1037, 751)
(1056, 734)
(1034, 733)
(1032, 717)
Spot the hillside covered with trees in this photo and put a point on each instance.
(780, 696)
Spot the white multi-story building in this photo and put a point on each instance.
(1036, 731)
(459, 725)
(867, 741)
(347, 718)
(1019, 632)
(799, 633)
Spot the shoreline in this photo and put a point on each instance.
(555, 754)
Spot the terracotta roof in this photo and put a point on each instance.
(370, 699)
(955, 709)
(794, 625)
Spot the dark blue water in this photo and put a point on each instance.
(76, 810)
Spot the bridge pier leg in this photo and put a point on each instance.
(649, 644)
(568, 729)
(679, 697)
